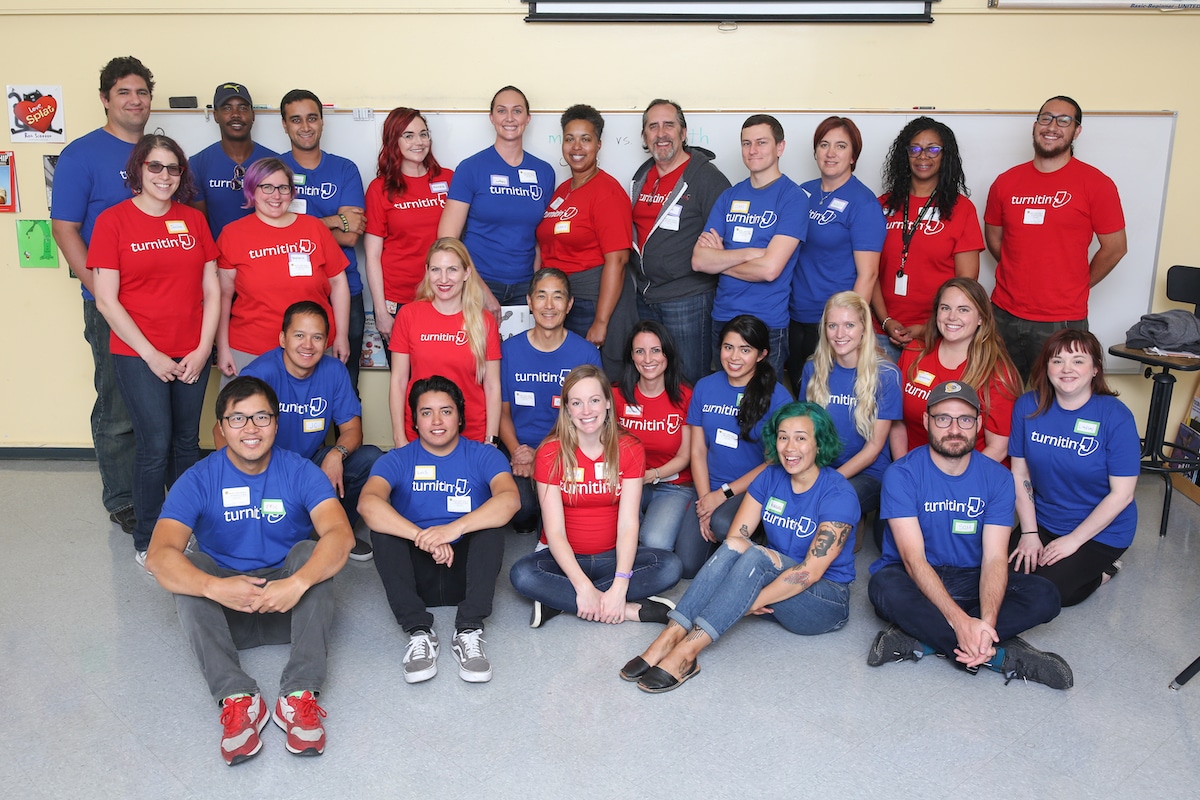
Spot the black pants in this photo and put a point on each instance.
(412, 581)
(802, 343)
(1078, 575)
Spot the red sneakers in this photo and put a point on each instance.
(243, 718)
(300, 718)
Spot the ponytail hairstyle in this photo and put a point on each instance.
(472, 299)
(756, 398)
(567, 437)
(866, 371)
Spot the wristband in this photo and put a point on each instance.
(884, 324)
(345, 223)
(342, 449)
(626, 575)
(657, 476)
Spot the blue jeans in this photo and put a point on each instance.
(669, 522)
(888, 346)
(112, 430)
(538, 576)
(530, 514)
(355, 471)
(777, 356)
(1029, 600)
(583, 314)
(730, 582)
(167, 432)
(510, 294)
(722, 519)
(358, 320)
(685, 319)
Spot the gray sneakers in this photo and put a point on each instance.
(893, 644)
(473, 665)
(1023, 660)
(420, 659)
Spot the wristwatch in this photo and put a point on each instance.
(494, 441)
(341, 448)
(728, 492)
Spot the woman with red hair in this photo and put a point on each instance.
(404, 204)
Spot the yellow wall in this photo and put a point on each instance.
(457, 55)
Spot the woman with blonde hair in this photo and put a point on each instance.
(961, 345)
(589, 476)
(861, 391)
(446, 332)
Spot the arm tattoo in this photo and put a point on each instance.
(797, 576)
(744, 532)
(829, 534)
(1028, 489)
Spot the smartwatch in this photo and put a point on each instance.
(728, 492)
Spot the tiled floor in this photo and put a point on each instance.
(104, 700)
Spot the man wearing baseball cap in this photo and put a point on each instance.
(943, 579)
(220, 167)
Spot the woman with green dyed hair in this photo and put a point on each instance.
(800, 578)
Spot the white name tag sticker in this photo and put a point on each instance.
(458, 503)
(299, 205)
(923, 378)
(439, 187)
(739, 207)
(499, 180)
(600, 471)
(558, 201)
(964, 527)
(272, 506)
(524, 399)
(675, 210)
(235, 497)
(902, 285)
(1087, 427)
(775, 505)
(428, 473)
(632, 410)
(742, 234)
(556, 402)
(300, 179)
(527, 175)
(314, 425)
(299, 265)
(838, 204)
(176, 226)
(562, 226)
(669, 223)
(1035, 216)
(727, 438)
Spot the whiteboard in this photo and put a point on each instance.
(1132, 148)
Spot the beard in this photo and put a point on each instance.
(951, 446)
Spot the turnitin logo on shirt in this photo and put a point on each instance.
(424, 202)
(459, 338)
(822, 218)
(1085, 445)
(182, 241)
(315, 407)
(637, 424)
(973, 507)
(739, 214)
(542, 377)
(532, 191)
(802, 527)
(1056, 200)
(325, 191)
(301, 246)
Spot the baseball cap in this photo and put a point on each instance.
(953, 390)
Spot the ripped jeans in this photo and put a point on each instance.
(729, 583)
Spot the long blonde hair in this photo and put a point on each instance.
(472, 299)
(567, 437)
(866, 373)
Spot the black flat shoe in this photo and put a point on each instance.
(654, 609)
(657, 680)
(636, 668)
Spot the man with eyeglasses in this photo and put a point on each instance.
(329, 188)
(89, 179)
(255, 575)
(220, 168)
(943, 579)
(315, 395)
(1038, 224)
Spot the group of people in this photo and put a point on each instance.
(721, 383)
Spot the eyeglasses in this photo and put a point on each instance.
(174, 170)
(1062, 120)
(270, 188)
(933, 151)
(239, 172)
(943, 421)
(237, 421)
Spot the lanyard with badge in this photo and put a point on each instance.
(907, 232)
